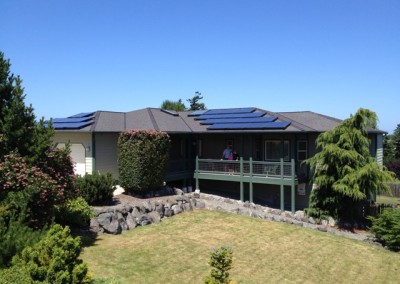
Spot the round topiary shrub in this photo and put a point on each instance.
(143, 156)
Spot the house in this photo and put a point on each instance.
(271, 146)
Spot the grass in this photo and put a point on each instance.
(387, 199)
(177, 251)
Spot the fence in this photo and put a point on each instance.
(395, 187)
(375, 210)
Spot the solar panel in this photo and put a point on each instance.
(247, 126)
(75, 125)
(197, 112)
(82, 114)
(231, 110)
(239, 120)
(71, 119)
(230, 115)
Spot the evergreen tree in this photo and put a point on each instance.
(344, 173)
(194, 102)
(395, 140)
(171, 105)
(18, 129)
(389, 149)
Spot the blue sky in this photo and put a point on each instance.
(331, 57)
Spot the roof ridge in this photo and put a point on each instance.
(153, 120)
(296, 124)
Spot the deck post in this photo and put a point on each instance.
(241, 180)
(293, 173)
(196, 173)
(251, 180)
(282, 191)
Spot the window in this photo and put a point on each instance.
(302, 150)
(273, 150)
(200, 153)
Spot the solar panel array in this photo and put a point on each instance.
(238, 119)
(74, 122)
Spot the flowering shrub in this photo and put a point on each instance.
(58, 165)
(143, 156)
(24, 188)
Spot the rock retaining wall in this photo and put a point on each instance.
(127, 216)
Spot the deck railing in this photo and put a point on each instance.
(275, 173)
(255, 168)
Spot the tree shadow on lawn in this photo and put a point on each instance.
(88, 237)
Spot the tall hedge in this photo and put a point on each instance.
(142, 159)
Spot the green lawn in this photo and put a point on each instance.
(177, 251)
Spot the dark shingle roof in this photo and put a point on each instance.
(155, 119)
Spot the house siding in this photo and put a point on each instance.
(83, 139)
(379, 149)
(106, 153)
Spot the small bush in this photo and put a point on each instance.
(386, 228)
(75, 212)
(143, 156)
(15, 235)
(96, 189)
(54, 259)
(221, 261)
(15, 274)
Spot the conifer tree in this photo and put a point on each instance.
(18, 129)
(344, 172)
(195, 104)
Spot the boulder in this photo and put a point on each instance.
(148, 206)
(178, 191)
(200, 204)
(154, 217)
(177, 209)
(113, 228)
(104, 219)
(131, 221)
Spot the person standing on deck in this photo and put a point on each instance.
(227, 152)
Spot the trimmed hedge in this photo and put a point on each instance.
(143, 156)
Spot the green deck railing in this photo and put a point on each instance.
(277, 173)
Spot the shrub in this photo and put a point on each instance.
(96, 189)
(15, 235)
(394, 166)
(75, 212)
(386, 228)
(221, 261)
(143, 156)
(15, 274)
(58, 165)
(54, 259)
(28, 189)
